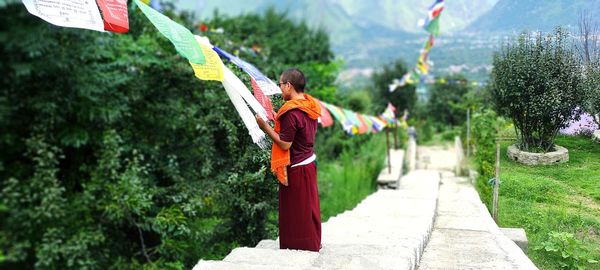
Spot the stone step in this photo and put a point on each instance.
(222, 265)
(365, 256)
(268, 244)
(280, 257)
(359, 256)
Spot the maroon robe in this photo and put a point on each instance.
(299, 210)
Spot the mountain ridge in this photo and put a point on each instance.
(532, 15)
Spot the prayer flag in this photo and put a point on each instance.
(369, 123)
(396, 83)
(429, 43)
(266, 85)
(390, 113)
(378, 125)
(433, 13)
(326, 119)
(181, 37)
(431, 22)
(67, 13)
(213, 68)
(155, 4)
(362, 127)
(340, 116)
(264, 101)
(234, 88)
(434, 27)
(336, 111)
(352, 123)
(114, 14)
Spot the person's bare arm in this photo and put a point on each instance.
(272, 134)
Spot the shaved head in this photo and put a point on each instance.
(295, 77)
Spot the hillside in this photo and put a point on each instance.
(519, 15)
(345, 20)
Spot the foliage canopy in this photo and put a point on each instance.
(114, 156)
(537, 82)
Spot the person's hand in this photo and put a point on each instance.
(261, 123)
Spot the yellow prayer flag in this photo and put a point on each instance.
(212, 69)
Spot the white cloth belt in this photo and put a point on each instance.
(306, 161)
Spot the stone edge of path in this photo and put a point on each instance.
(387, 179)
(512, 252)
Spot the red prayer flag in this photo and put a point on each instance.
(262, 99)
(362, 128)
(114, 13)
(326, 119)
(203, 28)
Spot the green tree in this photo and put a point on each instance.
(114, 156)
(588, 47)
(447, 103)
(402, 98)
(537, 82)
(484, 138)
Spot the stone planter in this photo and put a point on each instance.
(596, 136)
(559, 156)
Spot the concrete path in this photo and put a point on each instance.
(464, 235)
(418, 225)
(387, 230)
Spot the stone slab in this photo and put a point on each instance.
(464, 249)
(280, 257)
(268, 244)
(222, 265)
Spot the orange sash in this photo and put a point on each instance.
(280, 158)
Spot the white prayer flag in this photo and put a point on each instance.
(67, 13)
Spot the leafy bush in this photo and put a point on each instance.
(446, 103)
(565, 247)
(403, 98)
(483, 136)
(537, 82)
(425, 131)
(114, 156)
(592, 98)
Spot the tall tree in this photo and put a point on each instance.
(588, 47)
(402, 98)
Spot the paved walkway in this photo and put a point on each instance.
(464, 235)
(418, 225)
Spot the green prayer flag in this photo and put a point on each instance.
(434, 26)
(181, 37)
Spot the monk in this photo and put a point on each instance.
(293, 162)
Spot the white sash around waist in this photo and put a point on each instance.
(306, 161)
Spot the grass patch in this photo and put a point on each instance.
(346, 181)
(557, 198)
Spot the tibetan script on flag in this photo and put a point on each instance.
(67, 13)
